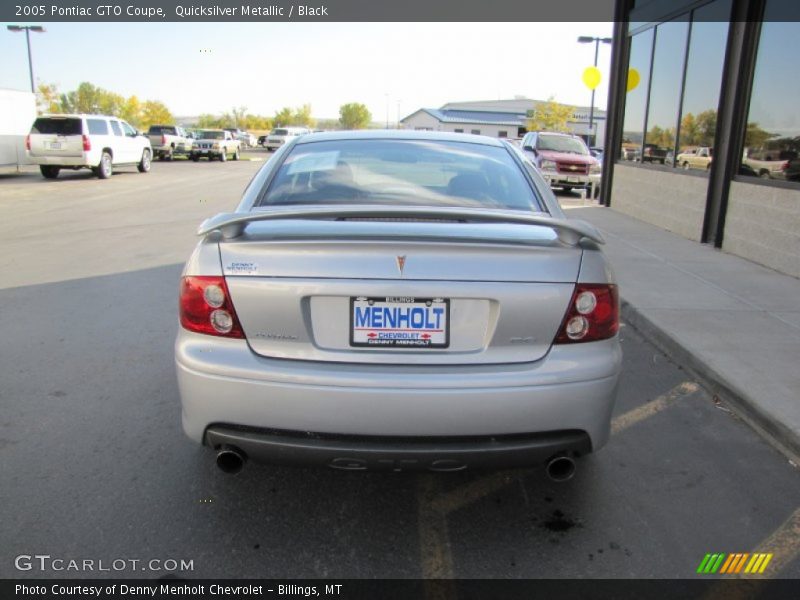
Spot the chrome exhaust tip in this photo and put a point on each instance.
(560, 468)
(230, 459)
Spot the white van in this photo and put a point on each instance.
(96, 142)
(280, 135)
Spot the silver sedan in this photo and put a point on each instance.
(398, 300)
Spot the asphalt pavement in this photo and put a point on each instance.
(96, 466)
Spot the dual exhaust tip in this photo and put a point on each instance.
(231, 459)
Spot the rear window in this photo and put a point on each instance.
(161, 130)
(561, 143)
(97, 126)
(408, 172)
(279, 132)
(57, 126)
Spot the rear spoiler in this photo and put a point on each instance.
(232, 225)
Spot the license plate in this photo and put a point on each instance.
(573, 180)
(55, 145)
(391, 322)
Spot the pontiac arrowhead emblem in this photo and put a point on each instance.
(401, 264)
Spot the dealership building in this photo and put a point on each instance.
(502, 119)
(703, 129)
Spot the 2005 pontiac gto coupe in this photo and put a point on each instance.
(398, 300)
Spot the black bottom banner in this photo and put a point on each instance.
(411, 589)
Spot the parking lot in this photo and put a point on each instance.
(96, 466)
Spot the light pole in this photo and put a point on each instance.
(585, 39)
(27, 29)
(387, 110)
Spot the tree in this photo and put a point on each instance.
(239, 117)
(47, 98)
(354, 116)
(109, 103)
(131, 111)
(302, 116)
(756, 137)
(706, 127)
(284, 116)
(155, 113)
(549, 116)
(689, 130)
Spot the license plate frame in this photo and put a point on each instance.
(402, 337)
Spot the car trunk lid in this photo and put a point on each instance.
(303, 289)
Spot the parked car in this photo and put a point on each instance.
(564, 160)
(630, 152)
(168, 141)
(769, 164)
(215, 143)
(597, 153)
(245, 139)
(654, 153)
(398, 300)
(281, 135)
(695, 158)
(79, 141)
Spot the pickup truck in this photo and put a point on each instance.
(215, 143)
(169, 140)
(695, 158)
(654, 154)
(768, 164)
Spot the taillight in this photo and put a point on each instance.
(87, 144)
(593, 314)
(785, 166)
(27, 142)
(206, 307)
(163, 140)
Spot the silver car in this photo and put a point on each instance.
(398, 300)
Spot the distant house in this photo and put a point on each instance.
(498, 118)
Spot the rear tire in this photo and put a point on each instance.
(105, 169)
(49, 171)
(194, 158)
(144, 164)
(224, 156)
(236, 154)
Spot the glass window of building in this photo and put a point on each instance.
(772, 137)
(636, 97)
(665, 91)
(698, 126)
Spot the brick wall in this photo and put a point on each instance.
(763, 225)
(673, 201)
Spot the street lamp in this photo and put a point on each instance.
(586, 39)
(27, 29)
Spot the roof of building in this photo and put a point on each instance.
(478, 117)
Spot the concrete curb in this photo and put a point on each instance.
(746, 407)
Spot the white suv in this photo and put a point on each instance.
(97, 142)
(280, 135)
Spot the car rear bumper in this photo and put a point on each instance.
(221, 381)
(561, 179)
(359, 453)
(62, 161)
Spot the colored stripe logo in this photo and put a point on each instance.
(729, 564)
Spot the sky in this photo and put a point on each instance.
(393, 68)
